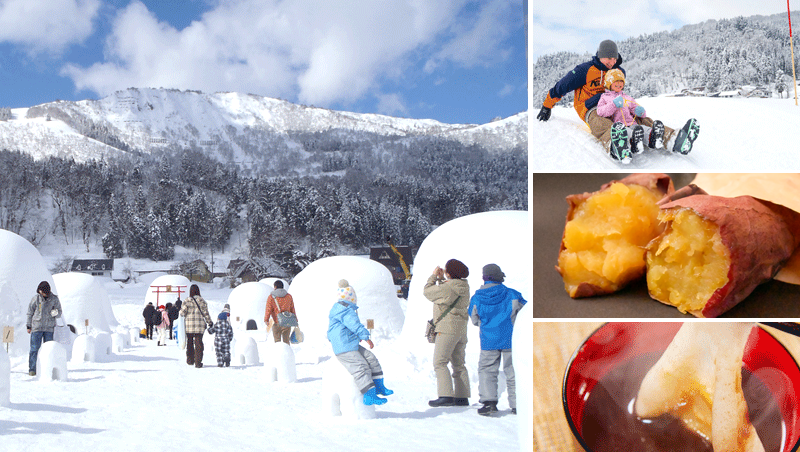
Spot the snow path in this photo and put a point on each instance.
(736, 134)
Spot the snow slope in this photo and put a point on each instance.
(227, 125)
(736, 134)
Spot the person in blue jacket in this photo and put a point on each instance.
(494, 309)
(345, 333)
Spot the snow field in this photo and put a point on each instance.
(144, 394)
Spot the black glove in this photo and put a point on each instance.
(544, 114)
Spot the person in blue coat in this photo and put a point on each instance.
(494, 309)
(345, 333)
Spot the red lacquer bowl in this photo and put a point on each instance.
(616, 343)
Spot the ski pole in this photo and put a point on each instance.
(791, 45)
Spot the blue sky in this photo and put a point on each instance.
(580, 25)
(456, 61)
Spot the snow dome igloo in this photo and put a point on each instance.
(22, 268)
(84, 298)
(314, 291)
(166, 289)
(248, 302)
(501, 238)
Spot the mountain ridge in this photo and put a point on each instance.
(243, 129)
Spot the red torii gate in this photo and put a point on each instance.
(168, 289)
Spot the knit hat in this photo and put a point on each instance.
(227, 309)
(607, 49)
(456, 269)
(346, 293)
(222, 316)
(162, 307)
(612, 76)
(492, 272)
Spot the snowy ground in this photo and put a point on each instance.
(736, 134)
(148, 396)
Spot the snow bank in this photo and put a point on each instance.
(84, 298)
(248, 302)
(5, 378)
(501, 238)
(158, 294)
(314, 291)
(22, 268)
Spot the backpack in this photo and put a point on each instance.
(157, 317)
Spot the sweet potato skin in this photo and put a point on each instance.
(653, 181)
(759, 235)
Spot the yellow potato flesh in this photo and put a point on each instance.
(688, 263)
(604, 242)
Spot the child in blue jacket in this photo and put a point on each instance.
(345, 332)
(494, 309)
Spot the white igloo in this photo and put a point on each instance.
(84, 349)
(244, 351)
(340, 395)
(271, 282)
(84, 298)
(248, 302)
(5, 378)
(22, 268)
(51, 362)
(314, 291)
(501, 238)
(166, 289)
(280, 364)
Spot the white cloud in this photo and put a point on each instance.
(507, 90)
(391, 104)
(335, 51)
(579, 26)
(47, 26)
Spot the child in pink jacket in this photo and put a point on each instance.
(625, 112)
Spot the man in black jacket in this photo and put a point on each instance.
(148, 319)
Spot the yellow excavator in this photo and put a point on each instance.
(406, 270)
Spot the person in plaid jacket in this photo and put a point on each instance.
(195, 309)
(223, 335)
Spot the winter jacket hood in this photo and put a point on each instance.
(586, 80)
(494, 308)
(40, 316)
(345, 329)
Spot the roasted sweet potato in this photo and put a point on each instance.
(715, 251)
(603, 245)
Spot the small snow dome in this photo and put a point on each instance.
(248, 302)
(314, 291)
(501, 238)
(22, 268)
(83, 298)
(166, 289)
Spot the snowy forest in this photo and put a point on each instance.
(714, 55)
(142, 206)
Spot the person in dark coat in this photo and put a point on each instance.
(148, 319)
(172, 313)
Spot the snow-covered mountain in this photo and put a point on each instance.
(231, 127)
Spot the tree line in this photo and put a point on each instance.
(143, 206)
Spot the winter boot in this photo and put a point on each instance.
(637, 140)
(380, 388)
(461, 401)
(488, 409)
(227, 363)
(442, 401)
(618, 148)
(686, 136)
(656, 138)
(371, 398)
